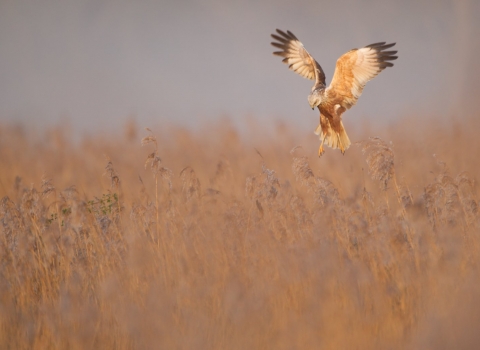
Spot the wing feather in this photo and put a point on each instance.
(297, 57)
(355, 68)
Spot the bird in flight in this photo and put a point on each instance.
(353, 70)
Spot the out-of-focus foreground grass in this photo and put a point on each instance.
(214, 240)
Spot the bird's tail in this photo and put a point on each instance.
(337, 138)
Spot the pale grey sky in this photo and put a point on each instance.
(97, 62)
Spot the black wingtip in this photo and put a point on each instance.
(292, 35)
(279, 38)
(288, 35)
(280, 46)
(381, 46)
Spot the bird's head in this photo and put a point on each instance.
(314, 99)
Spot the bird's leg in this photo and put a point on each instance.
(342, 149)
(320, 149)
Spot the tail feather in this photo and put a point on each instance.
(334, 139)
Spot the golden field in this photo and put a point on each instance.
(221, 239)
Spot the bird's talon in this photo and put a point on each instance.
(321, 151)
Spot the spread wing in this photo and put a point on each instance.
(297, 58)
(355, 68)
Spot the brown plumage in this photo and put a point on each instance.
(353, 70)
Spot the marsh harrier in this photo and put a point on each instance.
(353, 70)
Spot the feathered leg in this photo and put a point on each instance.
(323, 129)
(334, 137)
(321, 150)
(320, 132)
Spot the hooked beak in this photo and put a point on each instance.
(313, 108)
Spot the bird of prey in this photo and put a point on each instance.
(353, 70)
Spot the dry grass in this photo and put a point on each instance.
(213, 240)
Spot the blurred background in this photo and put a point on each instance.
(97, 64)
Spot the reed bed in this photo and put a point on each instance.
(168, 238)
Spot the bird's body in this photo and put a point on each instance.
(353, 70)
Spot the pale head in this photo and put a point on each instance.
(314, 99)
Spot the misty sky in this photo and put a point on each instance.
(97, 62)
